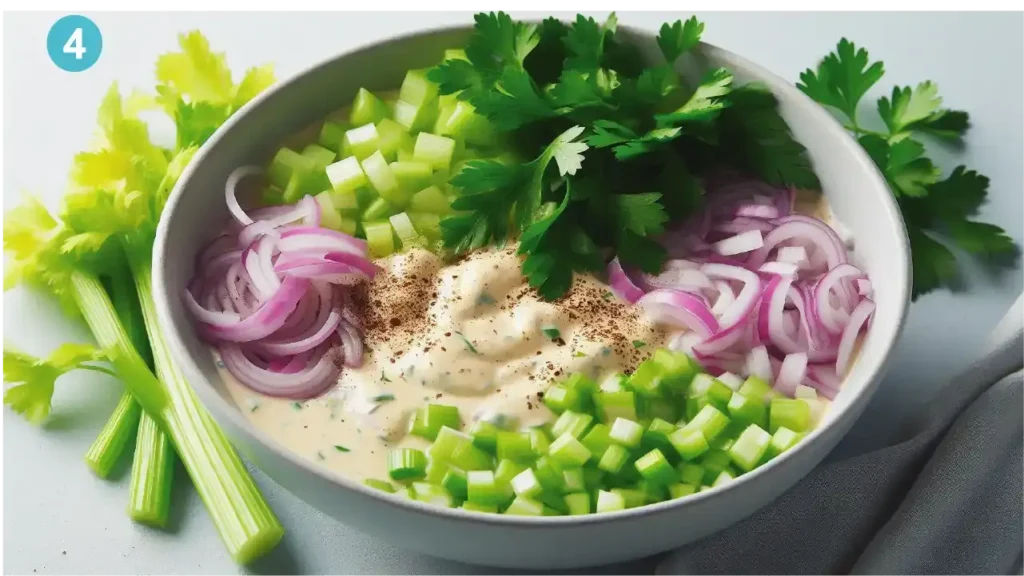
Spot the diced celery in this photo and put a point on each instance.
(485, 508)
(646, 379)
(406, 464)
(677, 368)
(416, 88)
(549, 473)
(320, 156)
(593, 477)
(661, 408)
(485, 435)
(329, 216)
(383, 485)
(654, 491)
(724, 478)
(367, 108)
(688, 443)
(332, 134)
(515, 446)
(481, 488)
(678, 490)
(748, 449)
(631, 497)
(455, 54)
(445, 107)
(414, 177)
(285, 162)
(656, 436)
(434, 150)
(392, 136)
(691, 474)
(540, 441)
(437, 416)
(573, 480)
(379, 209)
(430, 199)
(609, 502)
(416, 117)
(788, 413)
(404, 228)
(428, 225)
(404, 155)
(436, 470)
(506, 471)
(361, 142)
(457, 449)
(348, 226)
(709, 421)
(597, 440)
(382, 178)
(783, 439)
(432, 494)
(346, 176)
(460, 118)
(615, 383)
(379, 238)
(716, 394)
(614, 459)
(612, 405)
(754, 387)
(748, 410)
(526, 484)
(581, 383)
(578, 503)
(559, 398)
(574, 423)
(569, 451)
(715, 462)
(654, 467)
(456, 484)
(626, 432)
(524, 507)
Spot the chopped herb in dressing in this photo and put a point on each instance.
(297, 405)
(468, 343)
(254, 404)
(341, 448)
(485, 299)
(552, 332)
(384, 378)
(639, 344)
(320, 455)
(606, 295)
(383, 398)
(578, 354)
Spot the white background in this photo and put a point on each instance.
(58, 518)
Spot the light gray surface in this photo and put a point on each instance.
(70, 522)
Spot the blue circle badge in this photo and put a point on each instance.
(74, 43)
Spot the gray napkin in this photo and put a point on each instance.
(944, 497)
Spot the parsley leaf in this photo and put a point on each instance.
(755, 138)
(556, 247)
(585, 42)
(842, 79)
(642, 214)
(514, 102)
(706, 101)
(679, 37)
(937, 211)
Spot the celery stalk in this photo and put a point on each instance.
(149, 496)
(105, 451)
(241, 515)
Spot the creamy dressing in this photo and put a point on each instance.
(471, 334)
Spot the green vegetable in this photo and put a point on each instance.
(406, 464)
(108, 218)
(938, 211)
(34, 378)
(649, 135)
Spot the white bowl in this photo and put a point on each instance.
(853, 186)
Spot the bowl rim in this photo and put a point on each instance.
(215, 403)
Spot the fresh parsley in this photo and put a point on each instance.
(564, 91)
(938, 211)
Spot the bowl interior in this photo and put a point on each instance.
(196, 210)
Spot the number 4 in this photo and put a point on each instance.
(74, 44)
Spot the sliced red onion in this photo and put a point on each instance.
(733, 320)
(731, 380)
(758, 211)
(858, 318)
(791, 373)
(796, 255)
(863, 286)
(352, 342)
(231, 192)
(759, 364)
(804, 227)
(685, 279)
(325, 324)
(681, 309)
(270, 316)
(725, 300)
(305, 383)
(740, 243)
(779, 268)
(823, 379)
(621, 284)
(303, 238)
(832, 282)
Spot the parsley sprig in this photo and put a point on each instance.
(568, 91)
(938, 211)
